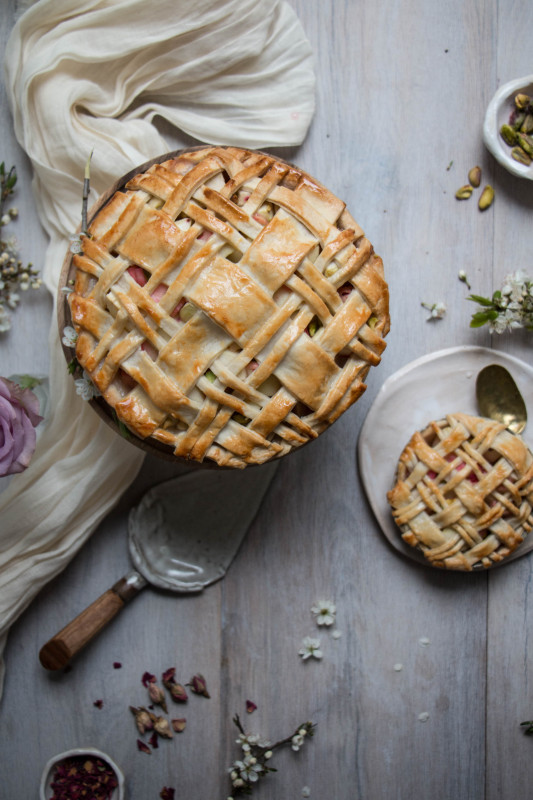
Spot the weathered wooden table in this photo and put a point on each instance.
(401, 94)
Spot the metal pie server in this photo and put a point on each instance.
(183, 536)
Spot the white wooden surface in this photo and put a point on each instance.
(402, 89)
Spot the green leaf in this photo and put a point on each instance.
(479, 319)
(72, 366)
(29, 382)
(2, 169)
(483, 301)
(11, 180)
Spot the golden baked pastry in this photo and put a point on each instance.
(464, 492)
(228, 306)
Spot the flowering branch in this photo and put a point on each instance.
(510, 307)
(13, 275)
(244, 773)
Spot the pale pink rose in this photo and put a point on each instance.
(19, 416)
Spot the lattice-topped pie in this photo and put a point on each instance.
(228, 306)
(464, 492)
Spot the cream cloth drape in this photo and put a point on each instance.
(86, 75)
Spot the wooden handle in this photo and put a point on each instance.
(57, 652)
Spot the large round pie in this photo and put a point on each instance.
(464, 492)
(227, 305)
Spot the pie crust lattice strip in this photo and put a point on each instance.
(227, 305)
(464, 492)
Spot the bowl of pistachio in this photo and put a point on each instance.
(508, 127)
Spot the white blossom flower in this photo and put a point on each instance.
(296, 742)
(310, 648)
(306, 791)
(324, 611)
(463, 277)
(515, 285)
(13, 300)
(249, 769)
(76, 245)
(13, 212)
(247, 740)
(437, 310)
(85, 387)
(69, 337)
(5, 219)
(336, 634)
(508, 321)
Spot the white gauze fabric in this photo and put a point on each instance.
(90, 75)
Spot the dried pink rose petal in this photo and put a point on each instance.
(117, 665)
(153, 740)
(148, 678)
(143, 747)
(198, 685)
(179, 724)
(167, 793)
(19, 416)
(98, 703)
(250, 706)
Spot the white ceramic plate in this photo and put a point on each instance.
(426, 389)
(497, 114)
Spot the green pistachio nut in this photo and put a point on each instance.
(526, 143)
(527, 125)
(486, 199)
(474, 177)
(518, 121)
(521, 156)
(464, 192)
(522, 101)
(509, 135)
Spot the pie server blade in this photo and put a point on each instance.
(183, 536)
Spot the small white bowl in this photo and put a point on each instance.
(497, 114)
(45, 792)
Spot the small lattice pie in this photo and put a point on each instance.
(464, 492)
(228, 306)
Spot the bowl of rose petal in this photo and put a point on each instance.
(80, 770)
(508, 127)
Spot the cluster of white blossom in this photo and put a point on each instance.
(246, 771)
(14, 276)
(510, 307)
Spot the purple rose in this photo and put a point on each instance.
(19, 416)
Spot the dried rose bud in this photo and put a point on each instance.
(179, 725)
(250, 707)
(117, 665)
(162, 727)
(167, 793)
(143, 719)
(148, 678)
(157, 696)
(143, 747)
(177, 691)
(198, 685)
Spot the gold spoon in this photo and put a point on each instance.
(498, 398)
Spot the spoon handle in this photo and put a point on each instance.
(59, 650)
